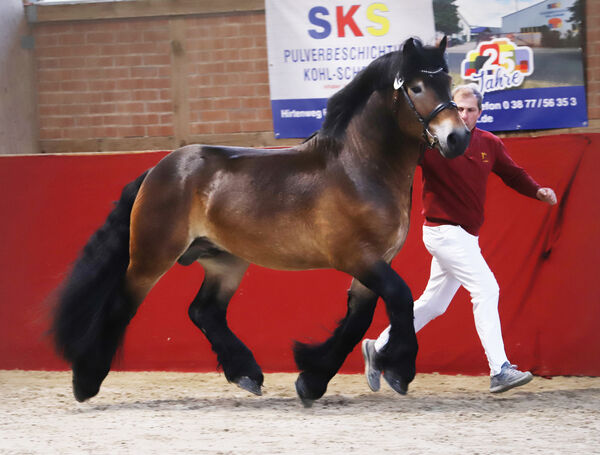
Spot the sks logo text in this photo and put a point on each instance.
(498, 64)
(339, 21)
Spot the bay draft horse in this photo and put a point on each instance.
(339, 200)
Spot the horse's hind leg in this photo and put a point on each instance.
(319, 363)
(90, 369)
(92, 366)
(156, 237)
(223, 273)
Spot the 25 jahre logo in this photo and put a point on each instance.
(498, 64)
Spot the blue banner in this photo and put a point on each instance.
(534, 108)
(526, 86)
(297, 118)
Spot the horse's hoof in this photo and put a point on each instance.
(310, 387)
(302, 393)
(249, 384)
(82, 391)
(397, 383)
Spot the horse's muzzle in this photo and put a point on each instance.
(456, 143)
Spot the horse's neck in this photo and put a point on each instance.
(374, 140)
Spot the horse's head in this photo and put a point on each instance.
(422, 83)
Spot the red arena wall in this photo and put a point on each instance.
(545, 260)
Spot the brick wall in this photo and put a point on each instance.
(153, 83)
(228, 74)
(163, 81)
(104, 80)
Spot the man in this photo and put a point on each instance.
(453, 201)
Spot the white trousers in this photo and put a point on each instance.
(457, 261)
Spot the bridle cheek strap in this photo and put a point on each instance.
(429, 137)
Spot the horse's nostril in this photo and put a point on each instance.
(457, 142)
(452, 139)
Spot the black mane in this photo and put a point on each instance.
(379, 75)
(345, 103)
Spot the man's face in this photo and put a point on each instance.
(467, 108)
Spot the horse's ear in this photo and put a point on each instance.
(443, 43)
(411, 45)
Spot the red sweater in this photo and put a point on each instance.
(454, 190)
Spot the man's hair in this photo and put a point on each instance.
(473, 90)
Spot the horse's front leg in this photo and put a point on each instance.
(209, 312)
(319, 363)
(397, 358)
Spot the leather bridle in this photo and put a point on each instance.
(399, 86)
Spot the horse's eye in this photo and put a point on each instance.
(416, 89)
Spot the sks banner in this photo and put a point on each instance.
(526, 57)
(316, 47)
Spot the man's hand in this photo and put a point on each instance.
(546, 195)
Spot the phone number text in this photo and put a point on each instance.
(531, 103)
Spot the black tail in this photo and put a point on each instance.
(92, 311)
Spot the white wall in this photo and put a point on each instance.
(18, 114)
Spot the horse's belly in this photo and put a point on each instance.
(280, 258)
(281, 262)
(271, 244)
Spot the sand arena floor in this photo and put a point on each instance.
(189, 413)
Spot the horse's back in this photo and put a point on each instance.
(227, 155)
